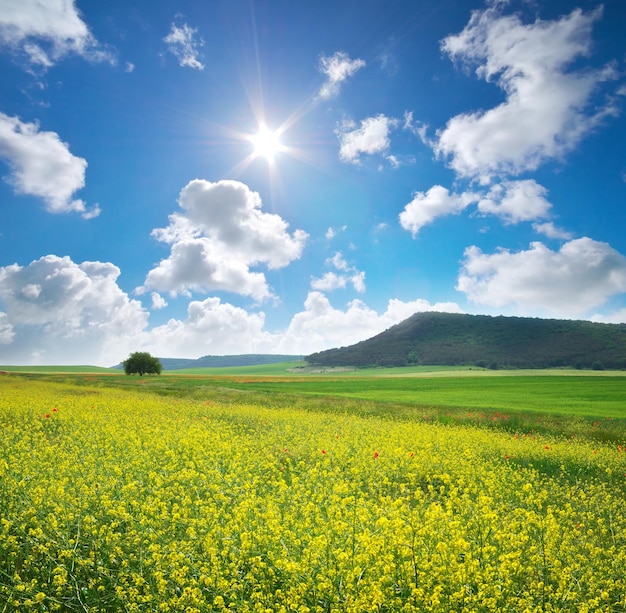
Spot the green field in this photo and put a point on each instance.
(566, 402)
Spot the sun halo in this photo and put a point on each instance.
(266, 143)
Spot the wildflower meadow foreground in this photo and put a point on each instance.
(118, 500)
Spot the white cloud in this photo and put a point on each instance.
(516, 201)
(337, 68)
(57, 311)
(338, 262)
(158, 302)
(47, 31)
(551, 231)
(332, 232)
(348, 275)
(416, 127)
(199, 264)
(129, 67)
(218, 237)
(42, 166)
(321, 326)
(371, 137)
(548, 108)
(428, 206)
(331, 281)
(60, 312)
(581, 276)
(214, 328)
(328, 282)
(183, 44)
(7, 334)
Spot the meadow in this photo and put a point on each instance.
(303, 494)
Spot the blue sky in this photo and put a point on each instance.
(265, 176)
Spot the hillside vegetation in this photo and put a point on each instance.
(485, 341)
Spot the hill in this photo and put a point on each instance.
(226, 361)
(481, 340)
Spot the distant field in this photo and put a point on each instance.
(579, 403)
(581, 395)
(278, 369)
(560, 392)
(301, 369)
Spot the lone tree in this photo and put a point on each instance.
(142, 363)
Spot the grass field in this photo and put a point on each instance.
(312, 493)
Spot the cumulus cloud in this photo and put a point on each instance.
(55, 308)
(56, 311)
(428, 206)
(7, 334)
(158, 302)
(183, 44)
(331, 281)
(219, 235)
(551, 231)
(332, 232)
(212, 327)
(47, 31)
(337, 68)
(370, 137)
(579, 277)
(43, 166)
(548, 106)
(516, 201)
(347, 275)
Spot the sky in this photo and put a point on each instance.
(269, 176)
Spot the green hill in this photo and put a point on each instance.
(481, 340)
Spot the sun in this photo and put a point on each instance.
(266, 143)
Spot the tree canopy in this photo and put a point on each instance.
(142, 363)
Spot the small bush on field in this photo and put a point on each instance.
(120, 500)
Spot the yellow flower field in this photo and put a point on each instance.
(114, 500)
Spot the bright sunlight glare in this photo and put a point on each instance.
(266, 143)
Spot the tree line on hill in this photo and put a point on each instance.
(481, 340)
